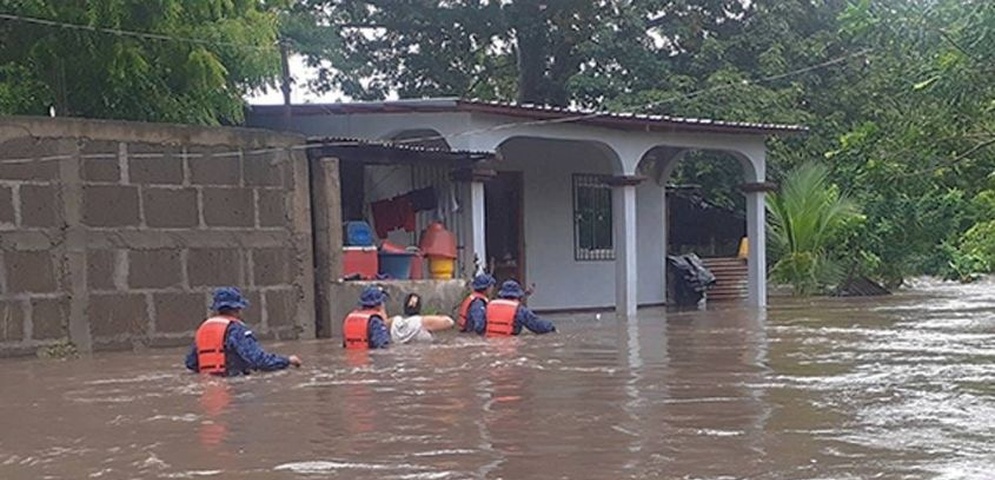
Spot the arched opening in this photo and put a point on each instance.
(704, 213)
(549, 219)
(706, 209)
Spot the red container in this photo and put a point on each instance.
(436, 241)
(361, 260)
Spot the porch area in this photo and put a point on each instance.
(573, 202)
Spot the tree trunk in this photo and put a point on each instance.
(530, 50)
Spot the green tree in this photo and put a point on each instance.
(806, 218)
(553, 52)
(918, 148)
(206, 56)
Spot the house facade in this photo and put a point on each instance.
(571, 201)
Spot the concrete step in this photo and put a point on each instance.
(731, 279)
(723, 261)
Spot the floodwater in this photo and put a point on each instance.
(897, 387)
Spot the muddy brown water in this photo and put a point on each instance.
(899, 387)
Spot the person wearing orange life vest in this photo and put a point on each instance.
(366, 327)
(223, 345)
(506, 315)
(473, 311)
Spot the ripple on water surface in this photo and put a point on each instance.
(893, 387)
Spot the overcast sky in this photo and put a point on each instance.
(299, 94)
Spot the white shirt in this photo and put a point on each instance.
(408, 330)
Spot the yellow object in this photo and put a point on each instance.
(441, 268)
(744, 248)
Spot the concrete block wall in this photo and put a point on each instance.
(441, 297)
(114, 234)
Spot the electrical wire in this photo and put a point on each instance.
(581, 116)
(130, 33)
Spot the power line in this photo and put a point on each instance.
(130, 33)
(582, 115)
(596, 114)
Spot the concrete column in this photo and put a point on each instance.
(73, 252)
(756, 214)
(624, 218)
(664, 222)
(303, 241)
(475, 245)
(327, 214)
(477, 226)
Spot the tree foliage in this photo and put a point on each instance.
(553, 52)
(899, 94)
(213, 53)
(807, 218)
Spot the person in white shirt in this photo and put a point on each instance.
(413, 327)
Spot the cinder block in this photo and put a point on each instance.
(100, 161)
(101, 170)
(154, 268)
(213, 267)
(30, 271)
(272, 208)
(100, 266)
(170, 208)
(150, 163)
(30, 148)
(273, 266)
(179, 312)
(40, 206)
(116, 314)
(100, 147)
(215, 165)
(281, 307)
(263, 170)
(11, 321)
(229, 207)
(6, 204)
(49, 318)
(253, 316)
(110, 206)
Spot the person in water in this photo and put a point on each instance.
(473, 311)
(506, 315)
(366, 327)
(414, 327)
(224, 345)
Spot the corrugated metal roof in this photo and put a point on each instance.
(408, 145)
(541, 113)
(635, 119)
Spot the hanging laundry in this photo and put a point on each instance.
(423, 199)
(392, 214)
(454, 203)
(405, 213)
(384, 216)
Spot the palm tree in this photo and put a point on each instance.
(806, 216)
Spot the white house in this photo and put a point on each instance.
(578, 202)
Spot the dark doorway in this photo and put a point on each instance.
(504, 211)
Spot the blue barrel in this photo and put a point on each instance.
(395, 265)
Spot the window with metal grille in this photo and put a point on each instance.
(592, 218)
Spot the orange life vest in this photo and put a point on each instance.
(501, 317)
(355, 329)
(464, 308)
(210, 341)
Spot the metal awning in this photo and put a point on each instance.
(373, 152)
